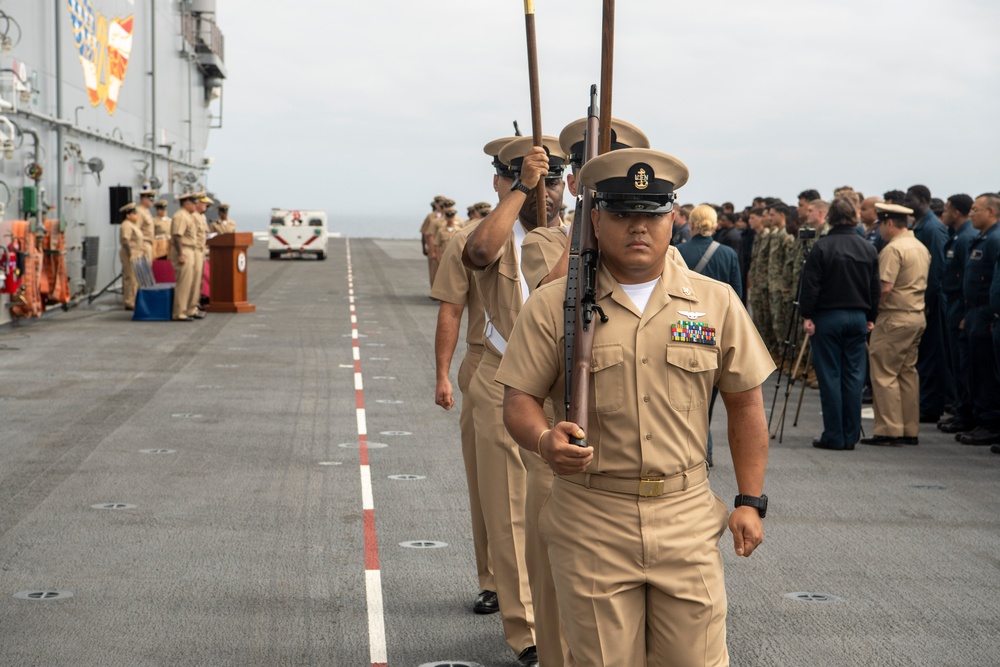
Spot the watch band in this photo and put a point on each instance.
(518, 185)
(760, 504)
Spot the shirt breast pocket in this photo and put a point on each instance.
(607, 377)
(690, 375)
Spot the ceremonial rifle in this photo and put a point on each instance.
(517, 130)
(536, 105)
(581, 280)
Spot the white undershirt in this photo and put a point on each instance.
(519, 233)
(640, 293)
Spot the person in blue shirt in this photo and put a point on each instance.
(934, 377)
(980, 317)
(956, 252)
(714, 260)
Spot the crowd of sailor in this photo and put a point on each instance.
(157, 248)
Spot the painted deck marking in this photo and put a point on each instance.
(373, 575)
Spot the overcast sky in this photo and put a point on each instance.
(371, 108)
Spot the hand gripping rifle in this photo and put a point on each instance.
(581, 292)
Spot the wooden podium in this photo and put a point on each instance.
(228, 277)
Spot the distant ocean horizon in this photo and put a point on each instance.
(357, 226)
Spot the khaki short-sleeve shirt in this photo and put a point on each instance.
(540, 252)
(202, 232)
(455, 284)
(185, 226)
(904, 262)
(652, 373)
(500, 289)
(162, 226)
(431, 219)
(146, 225)
(130, 237)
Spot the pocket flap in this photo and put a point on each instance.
(693, 358)
(606, 356)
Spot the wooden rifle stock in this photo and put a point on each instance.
(536, 105)
(581, 293)
(607, 72)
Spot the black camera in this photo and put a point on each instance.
(807, 233)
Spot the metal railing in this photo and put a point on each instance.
(203, 34)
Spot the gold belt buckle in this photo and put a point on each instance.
(649, 488)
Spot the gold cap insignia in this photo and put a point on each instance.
(641, 179)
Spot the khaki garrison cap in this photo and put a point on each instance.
(161, 203)
(892, 211)
(223, 207)
(187, 196)
(483, 206)
(513, 154)
(448, 203)
(623, 135)
(634, 180)
(127, 208)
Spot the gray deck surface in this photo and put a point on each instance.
(243, 550)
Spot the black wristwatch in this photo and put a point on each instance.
(518, 185)
(753, 501)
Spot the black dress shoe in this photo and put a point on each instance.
(528, 657)
(909, 440)
(882, 440)
(486, 603)
(927, 418)
(979, 436)
(819, 443)
(953, 426)
(866, 396)
(995, 449)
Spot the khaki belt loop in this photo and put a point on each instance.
(586, 480)
(685, 478)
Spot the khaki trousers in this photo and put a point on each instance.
(184, 276)
(549, 637)
(892, 356)
(639, 580)
(480, 543)
(502, 487)
(130, 285)
(199, 272)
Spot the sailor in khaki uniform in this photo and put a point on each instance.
(455, 288)
(131, 239)
(427, 232)
(493, 251)
(146, 225)
(184, 237)
(223, 225)
(445, 231)
(202, 202)
(903, 266)
(161, 231)
(631, 525)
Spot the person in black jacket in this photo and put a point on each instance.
(839, 304)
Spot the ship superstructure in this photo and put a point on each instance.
(97, 98)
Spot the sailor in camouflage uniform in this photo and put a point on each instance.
(780, 293)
